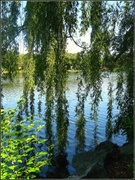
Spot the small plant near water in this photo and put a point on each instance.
(19, 156)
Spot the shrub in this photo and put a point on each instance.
(19, 156)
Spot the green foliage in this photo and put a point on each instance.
(10, 63)
(28, 73)
(20, 159)
(80, 121)
(124, 49)
(21, 60)
(71, 61)
(9, 30)
(10, 13)
(47, 26)
(126, 125)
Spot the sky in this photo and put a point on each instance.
(71, 46)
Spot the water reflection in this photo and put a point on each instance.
(58, 169)
(109, 128)
(29, 102)
(60, 105)
(32, 102)
(57, 115)
(80, 133)
(81, 121)
(18, 127)
(39, 108)
(62, 122)
(26, 104)
(49, 104)
(95, 138)
(96, 98)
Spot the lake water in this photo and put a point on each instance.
(13, 91)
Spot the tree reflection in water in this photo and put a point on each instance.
(26, 104)
(32, 102)
(109, 128)
(39, 108)
(81, 121)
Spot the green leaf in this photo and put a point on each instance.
(12, 167)
(3, 165)
(19, 160)
(40, 127)
(5, 175)
(3, 155)
(42, 141)
(42, 153)
(42, 163)
(29, 149)
(30, 162)
(30, 126)
(31, 170)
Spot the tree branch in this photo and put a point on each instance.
(21, 28)
(83, 47)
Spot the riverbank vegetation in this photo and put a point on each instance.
(46, 27)
(20, 155)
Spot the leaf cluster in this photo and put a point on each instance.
(20, 158)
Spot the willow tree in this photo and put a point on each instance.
(9, 32)
(123, 46)
(47, 27)
(111, 46)
(9, 45)
(92, 17)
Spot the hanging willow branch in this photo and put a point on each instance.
(83, 47)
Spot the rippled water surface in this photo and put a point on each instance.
(13, 91)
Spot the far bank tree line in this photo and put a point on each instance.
(73, 62)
